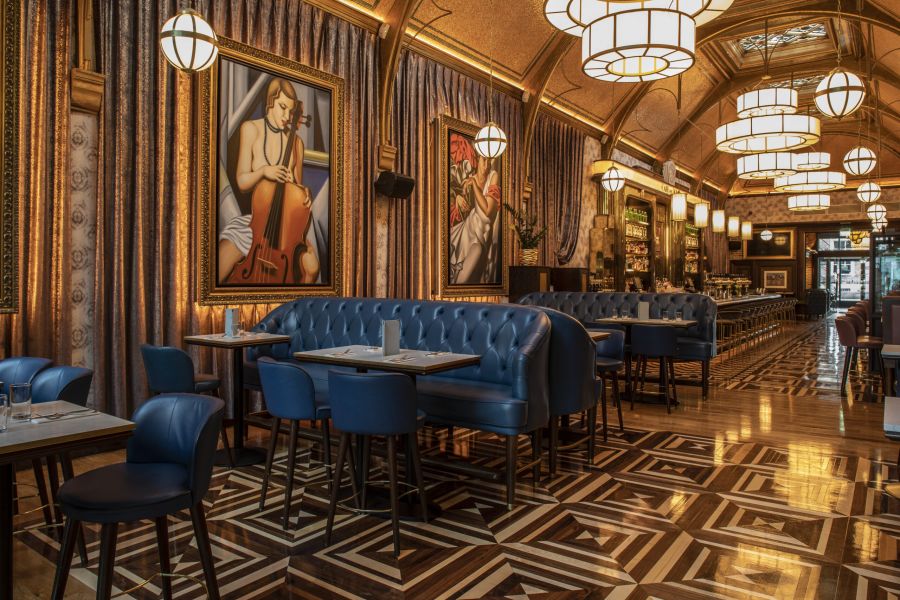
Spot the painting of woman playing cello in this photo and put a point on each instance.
(271, 226)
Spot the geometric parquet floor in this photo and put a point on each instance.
(653, 514)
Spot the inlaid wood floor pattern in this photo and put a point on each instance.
(746, 502)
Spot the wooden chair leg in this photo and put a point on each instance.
(108, 534)
(38, 468)
(845, 374)
(326, 442)
(417, 471)
(629, 385)
(592, 429)
(665, 382)
(536, 451)
(618, 399)
(64, 558)
(512, 447)
(364, 474)
(392, 478)
(289, 483)
(68, 473)
(224, 434)
(704, 375)
(343, 446)
(672, 377)
(201, 532)
(165, 565)
(270, 458)
(554, 443)
(53, 475)
(603, 410)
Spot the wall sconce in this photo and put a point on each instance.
(734, 227)
(679, 207)
(718, 221)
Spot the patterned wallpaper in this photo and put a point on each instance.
(589, 194)
(844, 207)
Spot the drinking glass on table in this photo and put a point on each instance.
(20, 401)
(679, 315)
(4, 412)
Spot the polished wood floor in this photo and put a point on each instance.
(771, 488)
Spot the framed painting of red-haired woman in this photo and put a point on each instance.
(269, 209)
(472, 234)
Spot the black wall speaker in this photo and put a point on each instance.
(394, 185)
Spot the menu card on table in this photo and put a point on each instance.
(390, 337)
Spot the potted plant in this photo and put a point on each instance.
(529, 235)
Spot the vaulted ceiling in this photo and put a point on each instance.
(676, 118)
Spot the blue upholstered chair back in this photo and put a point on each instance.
(654, 340)
(613, 346)
(372, 403)
(180, 429)
(72, 384)
(169, 370)
(571, 374)
(288, 390)
(21, 369)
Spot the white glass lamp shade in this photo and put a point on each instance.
(860, 161)
(811, 181)
(747, 230)
(766, 235)
(868, 192)
(701, 215)
(770, 133)
(638, 45)
(718, 221)
(878, 225)
(767, 101)
(809, 202)
(573, 16)
(734, 227)
(840, 94)
(876, 212)
(679, 207)
(612, 180)
(766, 165)
(490, 141)
(812, 161)
(188, 42)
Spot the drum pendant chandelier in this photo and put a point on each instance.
(766, 165)
(812, 161)
(868, 192)
(860, 161)
(768, 124)
(634, 40)
(811, 181)
(809, 202)
(188, 42)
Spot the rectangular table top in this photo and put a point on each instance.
(245, 340)
(892, 417)
(598, 336)
(76, 426)
(636, 321)
(890, 351)
(413, 362)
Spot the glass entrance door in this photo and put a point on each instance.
(846, 279)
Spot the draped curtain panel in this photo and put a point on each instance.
(147, 282)
(42, 326)
(557, 174)
(423, 91)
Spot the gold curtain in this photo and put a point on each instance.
(42, 327)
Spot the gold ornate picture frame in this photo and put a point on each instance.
(781, 247)
(472, 232)
(248, 250)
(11, 49)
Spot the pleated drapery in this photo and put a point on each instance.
(424, 90)
(557, 165)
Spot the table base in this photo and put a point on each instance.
(408, 508)
(243, 457)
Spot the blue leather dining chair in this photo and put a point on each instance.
(660, 342)
(611, 358)
(290, 395)
(168, 468)
(171, 371)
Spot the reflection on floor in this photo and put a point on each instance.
(761, 495)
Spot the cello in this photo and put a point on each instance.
(280, 221)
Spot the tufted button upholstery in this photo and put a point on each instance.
(511, 340)
(697, 342)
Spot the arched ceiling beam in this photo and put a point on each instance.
(617, 121)
(889, 140)
(388, 57)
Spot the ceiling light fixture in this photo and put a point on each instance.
(679, 207)
(809, 202)
(771, 133)
(612, 180)
(879, 225)
(188, 42)
(858, 236)
(812, 161)
(490, 141)
(718, 221)
(876, 212)
(766, 235)
(840, 94)
(734, 227)
(868, 192)
(701, 215)
(811, 181)
(766, 165)
(767, 101)
(747, 230)
(860, 161)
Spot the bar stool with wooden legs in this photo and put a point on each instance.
(611, 358)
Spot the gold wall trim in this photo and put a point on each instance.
(87, 90)
(640, 179)
(11, 50)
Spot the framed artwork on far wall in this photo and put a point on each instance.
(472, 233)
(775, 279)
(780, 247)
(270, 179)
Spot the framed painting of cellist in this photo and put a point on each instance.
(270, 183)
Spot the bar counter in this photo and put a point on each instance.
(746, 300)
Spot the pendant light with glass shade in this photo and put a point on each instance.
(841, 93)
(876, 211)
(701, 215)
(879, 225)
(188, 42)
(766, 165)
(746, 230)
(734, 227)
(809, 202)
(857, 236)
(679, 207)
(811, 181)
(868, 192)
(860, 161)
(718, 221)
(812, 161)
(612, 180)
(766, 234)
(490, 141)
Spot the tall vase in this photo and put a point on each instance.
(528, 257)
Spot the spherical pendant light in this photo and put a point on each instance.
(876, 212)
(490, 141)
(809, 202)
(771, 133)
(860, 161)
(718, 221)
(612, 180)
(747, 230)
(868, 192)
(840, 94)
(766, 235)
(879, 225)
(767, 101)
(812, 161)
(701, 215)
(188, 42)
(679, 207)
(811, 181)
(734, 227)
(766, 165)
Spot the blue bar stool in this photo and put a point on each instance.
(171, 371)
(290, 395)
(168, 468)
(660, 342)
(382, 404)
(611, 358)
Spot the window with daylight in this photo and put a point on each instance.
(795, 35)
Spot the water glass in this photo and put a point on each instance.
(4, 412)
(665, 315)
(679, 315)
(20, 401)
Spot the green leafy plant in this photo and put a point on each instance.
(525, 226)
